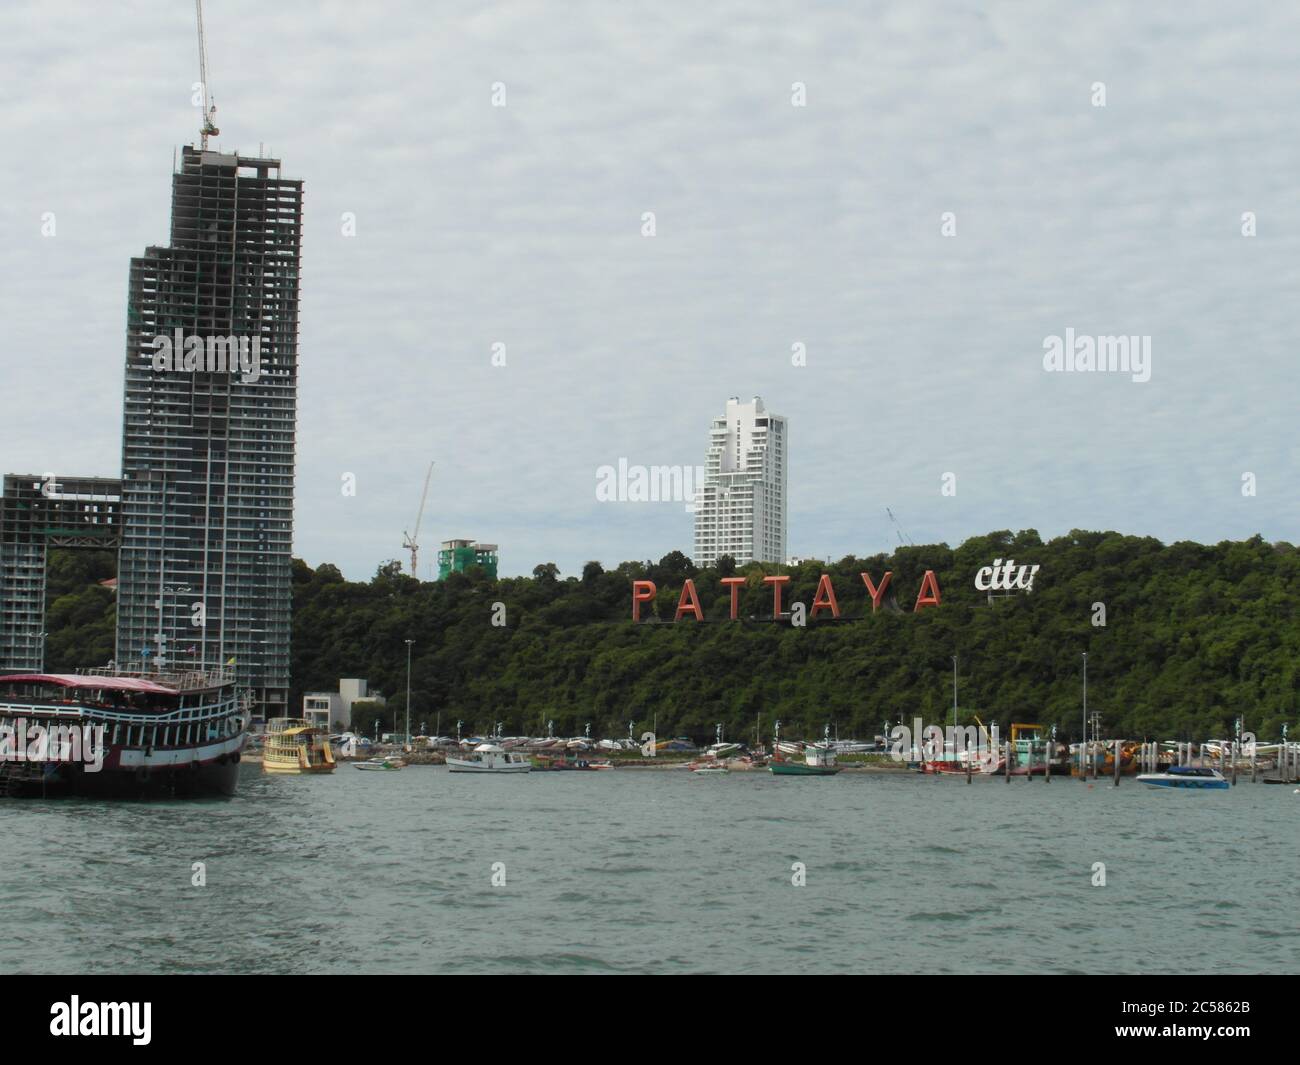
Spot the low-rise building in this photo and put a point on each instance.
(332, 711)
(456, 556)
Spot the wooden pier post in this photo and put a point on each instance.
(1047, 762)
(1117, 752)
(1007, 760)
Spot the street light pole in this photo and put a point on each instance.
(954, 693)
(1083, 746)
(408, 690)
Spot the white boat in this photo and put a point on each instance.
(706, 770)
(489, 758)
(385, 764)
(721, 751)
(1183, 776)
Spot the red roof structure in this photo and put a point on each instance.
(81, 680)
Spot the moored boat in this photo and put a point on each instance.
(386, 765)
(1186, 776)
(121, 733)
(295, 746)
(489, 758)
(819, 761)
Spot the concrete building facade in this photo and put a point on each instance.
(208, 437)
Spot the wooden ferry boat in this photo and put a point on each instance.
(294, 746)
(121, 733)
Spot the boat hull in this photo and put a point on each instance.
(1191, 784)
(795, 769)
(216, 777)
(468, 767)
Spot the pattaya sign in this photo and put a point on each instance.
(688, 603)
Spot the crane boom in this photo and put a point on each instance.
(209, 127)
(412, 542)
(419, 517)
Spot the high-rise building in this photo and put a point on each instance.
(740, 509)
(208, 437)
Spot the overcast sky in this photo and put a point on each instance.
(775, 225)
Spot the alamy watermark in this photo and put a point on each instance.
(1088, 354)
(20, 742)
(214, 354)
(628, 483)
(967, 744)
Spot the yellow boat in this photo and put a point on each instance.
(295, 746)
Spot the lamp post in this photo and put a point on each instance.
(408, 690)
(1083, 746)
(954, 693)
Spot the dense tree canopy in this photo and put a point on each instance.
(1195, 635)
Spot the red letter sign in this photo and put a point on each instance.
(642, 592)
(929, 593)
(736, 583)
(689, 602)
(825, 597)
(877, 594)
(776, 583)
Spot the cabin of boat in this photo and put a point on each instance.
(123, 733)
(293, 745)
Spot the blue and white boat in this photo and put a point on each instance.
(1185, 776)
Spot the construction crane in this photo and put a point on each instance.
(898, 529)
(209, 127)
(412, 542)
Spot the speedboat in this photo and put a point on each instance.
(385, 764)
(705, 770)
(1185, 776)
(489, 758)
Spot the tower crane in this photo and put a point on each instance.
(898, 529)
(412, 542)
(209, 109)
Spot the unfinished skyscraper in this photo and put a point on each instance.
(208, 441)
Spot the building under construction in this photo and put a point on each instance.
(208, 443)
(38, 512)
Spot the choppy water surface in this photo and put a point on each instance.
(653, 871)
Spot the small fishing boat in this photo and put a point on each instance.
(384, 764)
(819, 761)
(706, 770)
(1185, 776)
(489, 758)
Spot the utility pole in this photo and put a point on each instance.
(408, 690)
(1083, 746)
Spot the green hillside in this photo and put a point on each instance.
(1195, 635)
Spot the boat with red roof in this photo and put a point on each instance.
(129, 734)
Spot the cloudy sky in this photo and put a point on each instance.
(775, 225)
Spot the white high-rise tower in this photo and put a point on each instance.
(740, 508)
